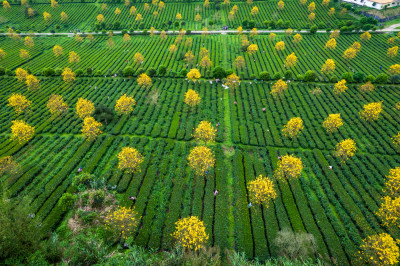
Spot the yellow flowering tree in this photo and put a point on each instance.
(281, 5)
(392, 52)
(32, 82)
(24, 54)
(389, 211)
(21, 74)
(350, 53)
(163, 35)
(291, 60)
(311, 7)
(367, 87)
(396, 140)
(328, 67)
(6, 5)
(193, 74)
(289, 31)
(332, 123)
(331, 44)
(122, 222)
(192, 98)
(252, 49)
(205, 62)
(129, 160)
(138, 58)
(144, 81)
(345, 150)
(84, 108)
(21, 131)
(74, 57)
(9, 166)
(297, 38)
(57, 50)
(380, 249)
(56, 105)
(91, 128)
(28, 41)
(68, 75)
(289, 167)
(2, 53)
(132, 11)
(272, 36)
(189, 57)
(117, 11)
(201, 159)
(365, 36)
(173, 48)
(239, 62)
(311, 16)
(325, 3)
(19, 103)
(331, 11)
(340, 87)
(54, 3)
(371, 111)
(197, 18)
(100, 18)
(394, 69)
(46, 16)
(254, 11)
(178, 16)
(190, 233)
(280, 46)
(125, 105)
(261, 191)
(205, 132)
(293, 127)
(232, 81)
(63, 16)
(279, 88)
(392, 184)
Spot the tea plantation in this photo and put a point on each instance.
(337, 201)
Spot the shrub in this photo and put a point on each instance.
(334, 79)
(395, 79)
(310, 75)
(218, 72)
(370, 78)
(381, 78)
(48, 71)
(277, 75)
(162, 70)
(359, 77)
(151, 72)
(128, 71)
(264, 75)
(67, 201)
(183, 72)
(83, 178)
(288, 74)
(348, 76)
(313, 29)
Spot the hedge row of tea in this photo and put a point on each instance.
(105, 60)
(82, 16)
